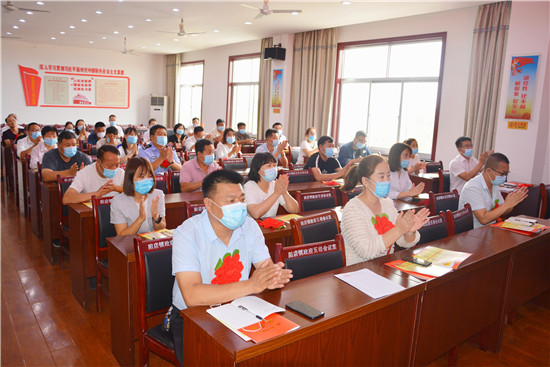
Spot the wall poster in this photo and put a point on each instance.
(521, 88)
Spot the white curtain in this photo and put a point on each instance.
(173, 68)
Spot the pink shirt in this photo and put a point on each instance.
(37, 153)
(191, 172)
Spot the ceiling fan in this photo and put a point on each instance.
(9, 7)
(266, 11)
(125, 51)
(181, 31)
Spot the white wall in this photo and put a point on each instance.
(527, 149)
(286, 41)
(146, 72)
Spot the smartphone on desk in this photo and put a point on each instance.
(417, 261)
(304, 309)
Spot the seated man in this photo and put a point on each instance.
(99, 133)
(112, 122)
(323, 164)
(111, 138)
(274, 146)
(217, 133)
(49, 134)
(222, 230)
(102, 178)
(242, 136)
(161, 156)
(64, 161)
(354, 149)
(13, 132)
(279, 127)
(198, 134)
(195, 170)
(147, 135)
(27, 144)
(194, 123)
(464, 167)
(483, 194)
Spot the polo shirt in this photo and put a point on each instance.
(151, 153)
(191, 171)
(88, 180)
(347, 153)
(124, 209)
(328, 166)
(458, 165)
(254, 195)
(24, 144)
(263, 149)
(38, 153)
(241, 137)
(92, 139)
(9, 135)
(399, 183)
(196, 248)
(52, 160)
(477, 194)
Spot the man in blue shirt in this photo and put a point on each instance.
(161, 156)
(99, 133)
(354, 149)
(213, 252)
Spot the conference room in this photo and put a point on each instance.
(367, 76)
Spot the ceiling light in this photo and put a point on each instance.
(52, 38)
(148, 20)
(143, 47)
(130, 26)
(295, 13)
(72, 27)
(8, 33)
(99, 12)
(39, 3)
(83, 20)
(175, 39)
(115, 32)
(15, 27)
(91, 41)
(158, 44)
(216, 30)
(30, 12)
(345, 2)
(61, 32)
(193, 35)
(22, 20)
(175, 10)
(103, 38)
(248, 23)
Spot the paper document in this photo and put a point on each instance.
(370, 283)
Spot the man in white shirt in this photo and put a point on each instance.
(147, 135)
(464, 166)
(217, 132)
(198, 134)
(279, 127)
(111, 138)
(27, 144)
(112, 122)
(102, 178)
(49, 134)
(483, 193)
(274, 146)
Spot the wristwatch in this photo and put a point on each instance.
(158, 220)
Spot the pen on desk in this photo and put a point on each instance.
(246, 309)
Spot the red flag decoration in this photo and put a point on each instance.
(31, 85)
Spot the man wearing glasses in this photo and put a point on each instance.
(464, 166)
(483, 194)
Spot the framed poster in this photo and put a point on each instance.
(521, 88)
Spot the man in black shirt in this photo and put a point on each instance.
(10, 135)
(65, 161)
(323, 164)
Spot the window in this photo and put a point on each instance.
(390, 89)
(191, 76)
(244, 81)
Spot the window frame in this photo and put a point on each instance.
(336, 103)
(187, 63)
(230, 84)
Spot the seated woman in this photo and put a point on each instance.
(140, 207)
(401, 184)
(179, 137)
(81, 130)
(308, 146)
(129, 147)
(69, 126)
(370, 223)
(415, 165)
(264, 192)
(228, 147)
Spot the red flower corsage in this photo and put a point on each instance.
(382, 223)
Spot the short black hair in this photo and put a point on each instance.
(222, 176)
(66, 135)
(7, 117)
(176, 127)
(225, 132)
(257, 162)
(67, 124)
(309, 129)
(112, 116)
(240, 124)
(323, 139)
(460, 140)
(277, 124)
(99, 124)
(201, 144)
(195, 118)
(218, 121)
(360, 133)
(270, 132)
(394, 157)
(77, 121)
(31, 124)
(111, 130)
(151, 120)
(48, 129)
(106, 148)
(494, 159)
(198, 129)
(409, 141)
(154, 129)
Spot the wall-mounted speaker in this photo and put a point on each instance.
(274, 53)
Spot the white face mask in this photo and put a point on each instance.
(101, 135)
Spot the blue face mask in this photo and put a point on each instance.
(35, 134)
(50, 141)
(209, 159)
(109, 173)
(359, 145)
(382, 189)
(112, 123)
(221, 128)
(69, 152)
(144, 186)
(404, 163)
(230, 139)
(79, 128)
(131, 139)
(279, 132)
(270, 174)
(468, 152)
(312, 137)
(71, 130)
(179, 131)
(499, 180)
(162, 140)
(108, 140)
(275, 142)
(242, 131)
(234, 215)
(415, 151)
(329, 152)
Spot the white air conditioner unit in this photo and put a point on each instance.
(158, 109)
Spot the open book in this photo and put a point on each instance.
(521, 225)
(253, 318)
(161, 233)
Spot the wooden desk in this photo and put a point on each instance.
(350, 334)
(35, 205)
(50, 217)
(431, 181)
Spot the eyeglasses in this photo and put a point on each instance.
(501, 173)
(468, 146)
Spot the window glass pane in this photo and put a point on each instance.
(415, 59)
(191, 74)
(365, 62)
(418, 114)
(353, 110)
(196, 103)
(244, 106)
(246, 70)
(190, 104)
(384, 114)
